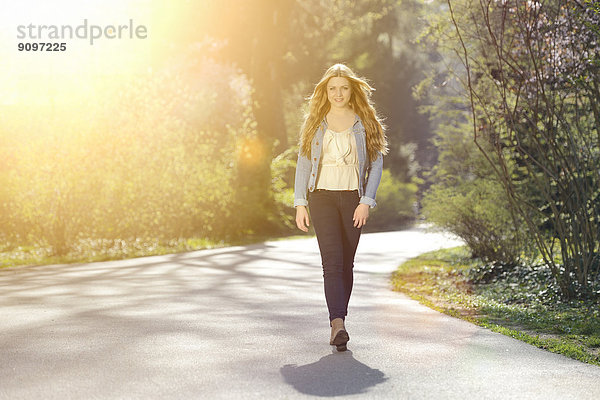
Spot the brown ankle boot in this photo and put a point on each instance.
(339, 336)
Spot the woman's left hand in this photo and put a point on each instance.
(361, 214)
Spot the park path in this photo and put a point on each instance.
(250, 322)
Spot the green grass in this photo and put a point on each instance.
(105, 250)
(515, 305)
(100, 250)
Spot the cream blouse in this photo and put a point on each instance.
(338, 169)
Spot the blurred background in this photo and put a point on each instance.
(191, 132)
(187, 138)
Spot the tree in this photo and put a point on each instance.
(532, 73)
(158, 156)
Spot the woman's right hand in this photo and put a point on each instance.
(302, 221)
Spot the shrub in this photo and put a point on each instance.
(477, 212)
(156, 155)
(395, 203)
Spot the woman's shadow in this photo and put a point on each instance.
(333, 375)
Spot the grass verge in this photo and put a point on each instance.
(104, 250)
(513, 307)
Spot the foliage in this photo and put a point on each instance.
(532, 73)
(285, 46)
(527, 73)
(515, 303)
(465, 196)
(477, 213)
(161, 160)
(189, 148)
(283, 168)
(395, 203)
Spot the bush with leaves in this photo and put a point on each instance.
(395, 203)
(163, 155)
(532, 72)
(467, 199)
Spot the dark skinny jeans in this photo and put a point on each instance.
(331, 213)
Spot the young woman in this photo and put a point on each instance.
(342, 143)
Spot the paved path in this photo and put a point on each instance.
(250, 323)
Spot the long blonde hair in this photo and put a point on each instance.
(360, 101)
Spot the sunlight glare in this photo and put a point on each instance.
(36, 76)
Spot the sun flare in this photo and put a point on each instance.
(65, 47)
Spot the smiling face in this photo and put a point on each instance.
(338, 92)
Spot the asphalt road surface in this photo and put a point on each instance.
(250, 322)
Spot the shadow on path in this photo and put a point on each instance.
(337, 374)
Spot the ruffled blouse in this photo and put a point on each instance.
(338, 169)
